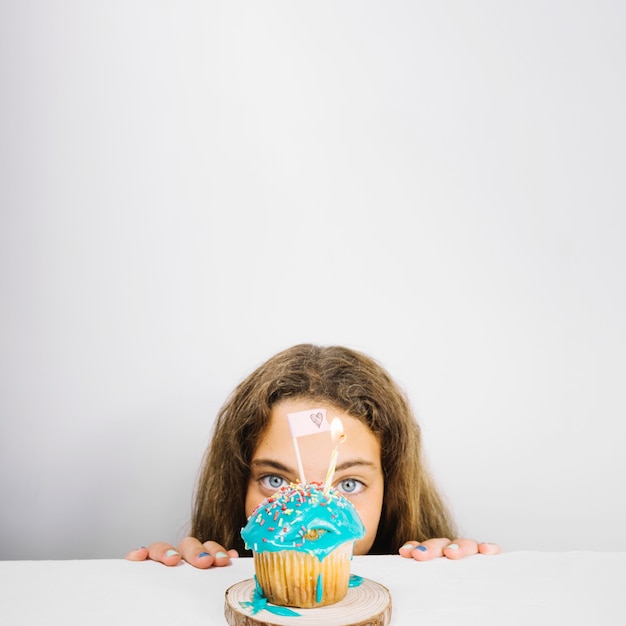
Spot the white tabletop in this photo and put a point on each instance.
(512, 588)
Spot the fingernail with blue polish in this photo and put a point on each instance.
(203, 554)
(421, 548)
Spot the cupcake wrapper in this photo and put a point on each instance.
(298, 579)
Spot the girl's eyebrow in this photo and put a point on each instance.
(265, 463)
(355, 463)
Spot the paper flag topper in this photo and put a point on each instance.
(308, 422)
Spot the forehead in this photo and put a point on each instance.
(276, 441)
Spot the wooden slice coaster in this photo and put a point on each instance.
(369, 604)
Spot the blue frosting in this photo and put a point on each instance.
(301, 517)
(259, 603)
(355, 581)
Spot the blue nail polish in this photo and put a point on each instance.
(203, 554)
(421, 548)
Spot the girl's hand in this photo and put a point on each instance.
(457, 549)
(201, 555)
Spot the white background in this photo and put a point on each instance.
(189, 187)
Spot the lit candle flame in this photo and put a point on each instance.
(336, 431)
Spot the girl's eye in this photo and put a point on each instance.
(350, 485)
(273, 482)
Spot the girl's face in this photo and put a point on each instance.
(358, 473)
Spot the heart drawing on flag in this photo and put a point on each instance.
(317, 418)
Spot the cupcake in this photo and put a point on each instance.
(302, 541)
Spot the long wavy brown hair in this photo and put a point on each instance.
(348, 380)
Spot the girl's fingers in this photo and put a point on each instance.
(195, 553)
(457, 549)
(407, 549)
(205, 555)
(139, 554)
(201, 555)
(164, 553)
(218, 554)
(430, 549)
(424, 550)
(489, 548)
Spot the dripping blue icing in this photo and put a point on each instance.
(260, 603)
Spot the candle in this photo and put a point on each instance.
(338, 436)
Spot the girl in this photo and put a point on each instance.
(380, 467)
